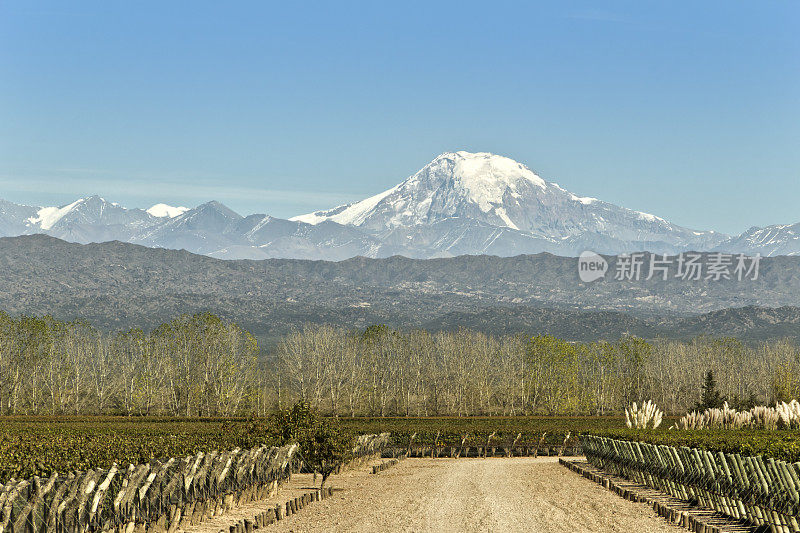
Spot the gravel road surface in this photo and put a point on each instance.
(459, 495)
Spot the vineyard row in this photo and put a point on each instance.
(762, 491)
(154, 496)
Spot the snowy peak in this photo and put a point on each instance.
(214, 209)
(778, 239)
(483, 186)
(210, 217)
(166, 211)
(487, 178)
(496, 191)
(89, 211)
(434, 193)
(47, 217)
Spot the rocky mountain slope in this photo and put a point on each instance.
(119, 285)
(768, 241)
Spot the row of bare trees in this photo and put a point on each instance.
(382, 372)
(203, 366)
(192, 365)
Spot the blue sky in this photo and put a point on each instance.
(688, 110)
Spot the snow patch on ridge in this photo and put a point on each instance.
(501, 212)
(47, 217)
(650, 218)
(585, 200)
(164, 210)
(352, 214)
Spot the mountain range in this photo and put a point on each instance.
(460, 203)
(117, 286)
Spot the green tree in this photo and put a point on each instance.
(710, 397)
(324, 445)
(746, 402)
(292, 423)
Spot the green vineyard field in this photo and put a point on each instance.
(451, 430)
(41, 445)
(781, 444)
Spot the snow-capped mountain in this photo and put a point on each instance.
(91, 219)
(460, 203)
(468, 189)
(783, 239)
(92, 211)
(204, 229)
(214, 229)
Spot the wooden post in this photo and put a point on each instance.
(488, 440)
(539, 445)
(410, 443)
(510, 452)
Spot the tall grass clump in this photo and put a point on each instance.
(640, 418)
(782, 416)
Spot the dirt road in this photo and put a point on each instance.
(465, 495)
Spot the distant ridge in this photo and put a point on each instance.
(117, 285)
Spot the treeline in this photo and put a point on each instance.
(203, 366)
(191, 366)
(382, 372)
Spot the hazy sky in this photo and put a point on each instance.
(688, 110)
